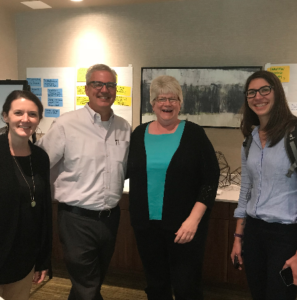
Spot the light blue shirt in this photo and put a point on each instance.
(159, 151)
(266, 192)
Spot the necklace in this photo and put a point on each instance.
(33, 203)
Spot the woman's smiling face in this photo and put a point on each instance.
(166, 111)
(259, 104)
(23, 118)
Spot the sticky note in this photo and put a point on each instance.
(50, 83)
(81, 74)
(39, 98)
(51, 113)
(34, 81)
(282, 72)
(54, 93)
(80, 90)
(124, 101)
(293, 106)
(37, 91)
(123, 90)
(82, 100)
(55, 102)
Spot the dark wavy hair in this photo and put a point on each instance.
(280, 120)
(14, 95)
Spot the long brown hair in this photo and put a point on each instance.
(280, 120)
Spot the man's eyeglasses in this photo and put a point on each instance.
(98, 85)
(263, 91)
(164, 100)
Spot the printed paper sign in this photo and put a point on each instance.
(55, 102)
(47, 83)
(54, 93)
(36, 91)
(34, 81)
(51, 113)
(283, 73)
(82, 100)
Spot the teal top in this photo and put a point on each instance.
(159, 151)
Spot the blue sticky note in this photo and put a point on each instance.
(54, 93)
(55, 102)
(39, 98)
(36, 91)
(34, 81)
(51, 113)
(47, 83)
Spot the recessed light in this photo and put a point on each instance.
(76, 0)
(36, 4)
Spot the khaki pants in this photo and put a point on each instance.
(19, 290)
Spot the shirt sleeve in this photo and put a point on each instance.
(245, 189)
(211, 173)
(53, 143)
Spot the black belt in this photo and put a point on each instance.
(93, 214)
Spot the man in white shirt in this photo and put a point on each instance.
(88, 149)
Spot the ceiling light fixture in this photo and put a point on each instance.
(36, 4)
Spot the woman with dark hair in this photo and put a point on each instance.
(267, 208)
(174, 176)
(25, 201)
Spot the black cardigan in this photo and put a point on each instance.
(192, 176)
(9, 203)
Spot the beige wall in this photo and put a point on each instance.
(8, 46)
(175, 34)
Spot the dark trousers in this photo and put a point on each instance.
(266, 247)
(88, 246)
(167, 264)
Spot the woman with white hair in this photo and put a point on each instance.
(174, 175)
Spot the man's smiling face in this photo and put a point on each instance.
(101, 99)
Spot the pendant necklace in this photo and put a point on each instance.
(33, 203)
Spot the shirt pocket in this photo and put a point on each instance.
(119, 151)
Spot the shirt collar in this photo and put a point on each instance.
(255, 131)
(96, 117)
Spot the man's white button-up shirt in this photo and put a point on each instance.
(88, 158)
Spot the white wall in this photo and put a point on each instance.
(8, 46)
(178, 33)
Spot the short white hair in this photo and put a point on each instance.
(100, 67)
(165, 85)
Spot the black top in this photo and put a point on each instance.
(192, 176)
(25, 231)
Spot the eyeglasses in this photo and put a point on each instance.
(263, 91)
(98, 85)
(164, 100)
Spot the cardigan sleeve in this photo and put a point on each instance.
(210, 172)
(44, 256)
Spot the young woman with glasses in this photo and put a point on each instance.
(267, 208)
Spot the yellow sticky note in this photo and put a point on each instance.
(123, 90)
(81, 74)
(82, 100)
(80, 90)
(282, 72)
(124, 101)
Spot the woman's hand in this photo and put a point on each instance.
(187, 231)
(236, 251)
(39, 276)
(292, 263)
(189, 227)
